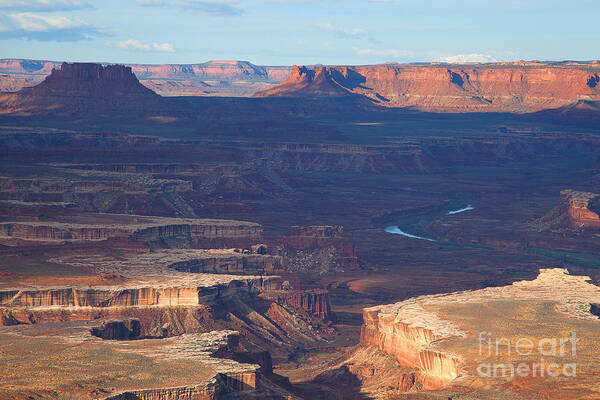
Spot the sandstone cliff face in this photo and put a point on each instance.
(409, 345)
(575, 211)
(303, 81)
(146, 229)
(231, 264)
(413, 333)
(91, 81)
(123, 297)
(449, 88)
(315, 302)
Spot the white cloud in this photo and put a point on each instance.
(164, 47)
(136, 45)
(43, 5)
(390, 53)
(45, 27)
(340, 30)
(467, 59)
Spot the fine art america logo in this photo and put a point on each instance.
(552, 348)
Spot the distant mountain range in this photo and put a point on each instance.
(556, 90)
(213, 78)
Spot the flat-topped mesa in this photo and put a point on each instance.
(416, 333)
(91, 81)
(192, 366)
(131, 296)
(409, 346)
(576, 211)
(140, 228)
(449, 87)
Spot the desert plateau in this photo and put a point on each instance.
(425, 228)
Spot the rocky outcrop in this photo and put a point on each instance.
(318, 231)
(124, 329)
(409, 345)
(140, 228)
(312, 301)
(307, 82)
(85, 89)
(412, 333)
(231, 264)
(449, 88)
(208, 391)
(89, 80)
(115, 296)
(315, 249)
(576, 211)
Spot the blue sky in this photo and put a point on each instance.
(285, 32)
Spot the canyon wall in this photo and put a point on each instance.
(232, 264)
(576, 211)
(508, 87)
(146, 229)
(114, 296)
(315, 301)
(409, 345)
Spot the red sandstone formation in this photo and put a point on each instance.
(315, 302)
(408, 344)
(84, 88)
(576, 211)
(449, 88)
(305, 82)
(90, 81)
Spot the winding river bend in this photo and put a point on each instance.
(396, 230)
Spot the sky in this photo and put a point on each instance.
(286, 32)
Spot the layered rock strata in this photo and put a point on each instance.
(412, 333)
(314, 301)
(139, 228)
(450, 88)
(190, 366)
(576, 211)
(229, 262)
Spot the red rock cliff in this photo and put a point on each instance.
(90, 80)
(409, 345)
(450, 88)
(576, 210)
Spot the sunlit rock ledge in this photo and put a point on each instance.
(412, 333)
